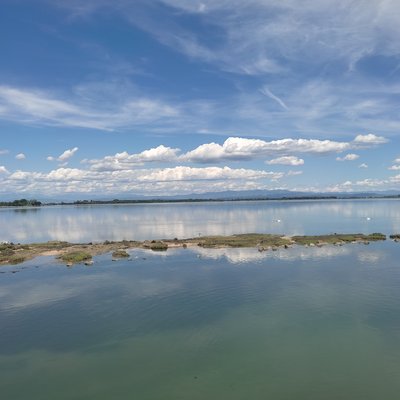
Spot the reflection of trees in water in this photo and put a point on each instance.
(26, 210)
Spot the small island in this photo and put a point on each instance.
(73, 253)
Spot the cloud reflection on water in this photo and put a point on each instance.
(184, 220)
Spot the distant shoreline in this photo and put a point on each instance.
(35, 203)
(70, 253)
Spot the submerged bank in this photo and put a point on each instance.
(73, 253)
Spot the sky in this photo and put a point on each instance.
(129, 98)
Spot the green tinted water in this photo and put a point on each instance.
(302, 323)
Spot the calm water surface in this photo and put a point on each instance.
(300, 323)
(183, 220)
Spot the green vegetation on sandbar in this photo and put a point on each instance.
(9, 255)
(75, 257)
(243, 240)
(395, 236)
(71, 253)
(120, 254)
(156, 245)
(338, 238)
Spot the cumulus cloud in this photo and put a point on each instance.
(369, 139)
(390, 183)
(124, 160)
(3, 170)
(396, 166)
(64, 157)
(67, 154)
(182, 173)
(363, 165)
(348, 157)
(20, 156)
(236, 148)
(286, 160)
(156, 181)
(232, 149)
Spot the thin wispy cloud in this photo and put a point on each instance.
(265, 91)
(319, 31)
(40, 107)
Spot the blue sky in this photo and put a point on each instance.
(170, 97)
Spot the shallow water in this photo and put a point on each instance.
(303, 323)
(183, 220)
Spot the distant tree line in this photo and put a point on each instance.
(21, 203)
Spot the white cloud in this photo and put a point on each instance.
(3, 170)
(64, 157)
(369, 139)
(2, 152)
(235, 148)
(67, 154)
(265, 91)
(181, 173)
(286, 160)
(348, 157)
(390, 183)
(294, 173)
(86, 108)
(260, 38)
(275, 31)
(363, 165)
(156, 181)
(396, 166)
(124, 160)
(20, 156)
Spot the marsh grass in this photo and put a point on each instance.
(71, 253)
(120, 254)
(338, 238)
(243, 240)
(75, 257)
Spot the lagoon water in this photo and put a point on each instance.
(299, 323)
(166, 221)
